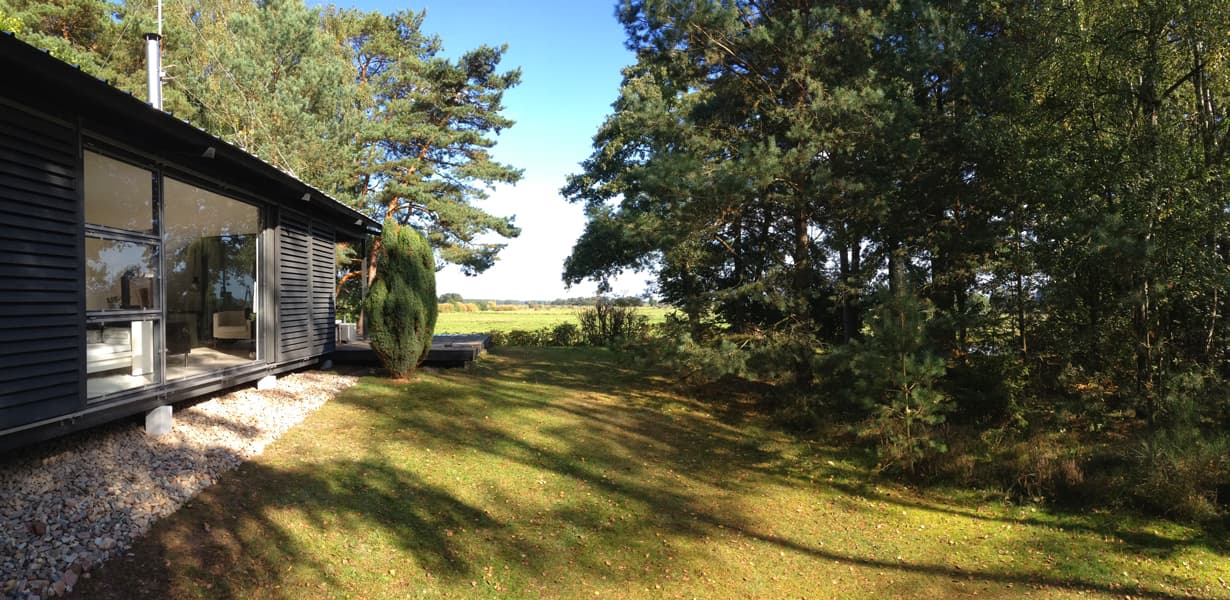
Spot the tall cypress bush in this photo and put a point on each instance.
(401, 305)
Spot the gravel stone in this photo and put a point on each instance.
(69, 504)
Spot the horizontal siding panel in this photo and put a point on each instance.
(68, 355)
(39, 344)
(295, 277)
(40, 271)
(34, 322)
(18, 334)
(41, 260)
(35, 129)
(14, 374)
(44, 408)
(34, 226)
(307, 276)
(65, 308)
(39, 206)
(39, 295)
(41, 285)
(25, 159)
(42, 188)
(62, 158)
(57, 239)
(324, 276)
(49, 388)
(14, 380)
(53, 175)
(36, 248)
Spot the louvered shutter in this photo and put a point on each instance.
(41, 335)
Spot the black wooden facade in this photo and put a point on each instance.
(51, 114)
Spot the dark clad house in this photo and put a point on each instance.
(142, 260)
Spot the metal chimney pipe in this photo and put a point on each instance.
(153, 68)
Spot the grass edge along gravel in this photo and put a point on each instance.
(565, 473)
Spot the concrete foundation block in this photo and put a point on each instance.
(158, 421)
(326, 364)
(267, 382)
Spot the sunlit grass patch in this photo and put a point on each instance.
(523, 319)
(566, 473)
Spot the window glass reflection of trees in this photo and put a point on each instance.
(118, 194)
(211, 249)
(119, 275)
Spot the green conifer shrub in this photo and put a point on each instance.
(401, 305)
(898, 378)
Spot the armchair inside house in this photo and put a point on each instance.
(231, 325)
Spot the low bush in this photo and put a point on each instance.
(562, 334)
(1181, 473)
(1042, 467)
(608, 324)
(521, 337)
(1182, 467)
(566, 334)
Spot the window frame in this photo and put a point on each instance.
(116, 317)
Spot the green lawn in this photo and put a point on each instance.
(562, 473)
(525, 319)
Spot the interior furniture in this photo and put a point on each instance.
(179, 339)
(231, 325)
(108, 349)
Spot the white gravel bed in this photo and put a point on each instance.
(72, 503)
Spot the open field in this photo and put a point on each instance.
(562, 473)
(525, 319)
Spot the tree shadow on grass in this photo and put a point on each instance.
(1132, 534)
(547, 465)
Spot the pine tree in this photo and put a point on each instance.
(268, 77)
(423, 155)
(87, 33)
(897, 378)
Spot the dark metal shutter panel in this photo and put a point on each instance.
(40, 270)
(324, 276)
(294, 285)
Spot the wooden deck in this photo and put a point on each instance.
(446, 351)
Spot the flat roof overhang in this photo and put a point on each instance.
(50, 85)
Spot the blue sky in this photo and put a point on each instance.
(570, 53)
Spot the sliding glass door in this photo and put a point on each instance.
(211, 248)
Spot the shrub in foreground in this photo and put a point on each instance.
(402, 302)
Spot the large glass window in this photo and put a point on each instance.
(210, 242)
(120, 355)
(118, 195)
(122, 277)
